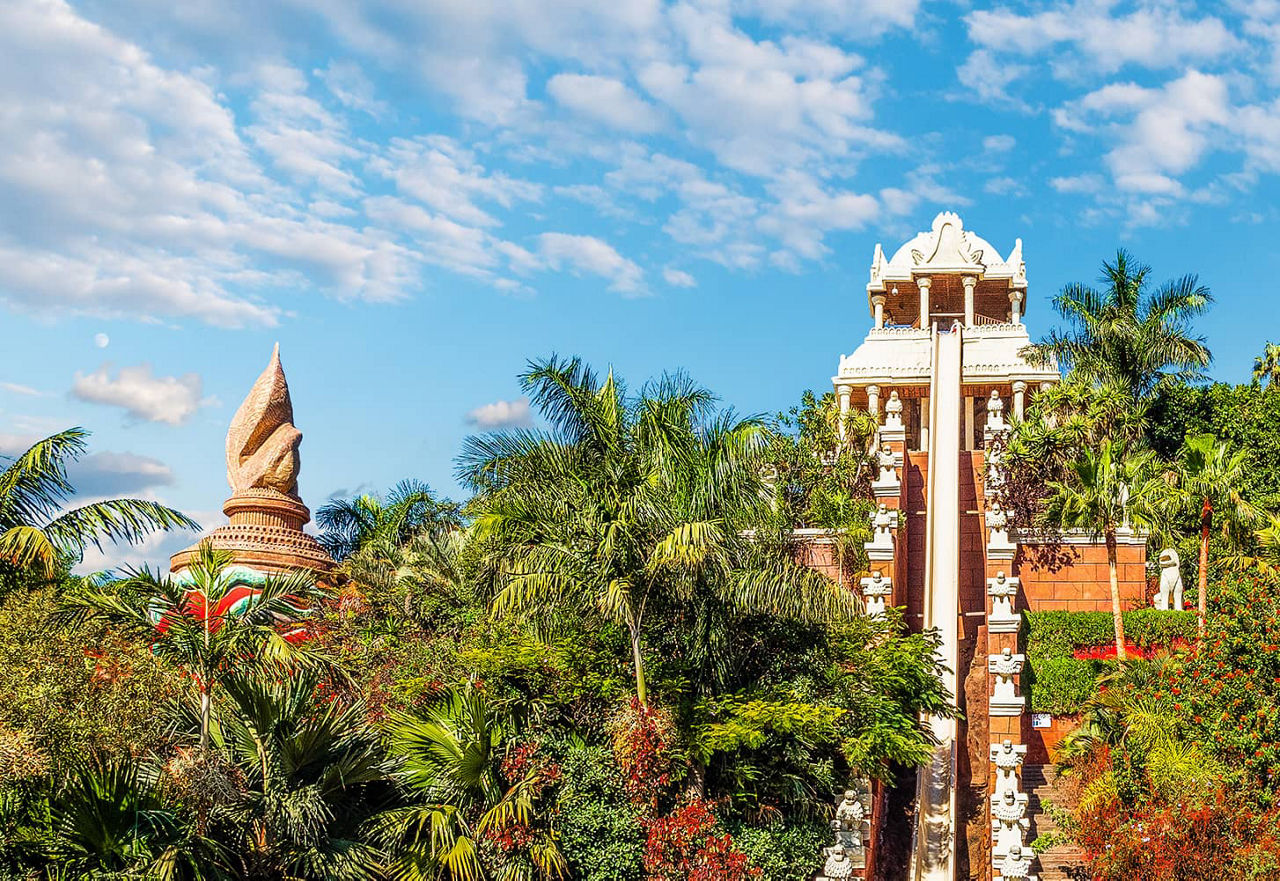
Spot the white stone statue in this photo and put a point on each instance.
(998, 525)
(883, 522)
(848, 822)
(838, 866)
(888, 465)
(995, 469)
(1004, 694)
(1003, 590)
(851, 827)
(1016, 864)
(1009, 823)
(1007, 758)
(876, 590)
(995, 412)
(1170, 595)
(1123, 499)
(893, 412)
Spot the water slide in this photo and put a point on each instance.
(935, 830)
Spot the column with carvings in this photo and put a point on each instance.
(969, 282)
(1010, 851)
(923, 283)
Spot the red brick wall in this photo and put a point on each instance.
(1074, 577)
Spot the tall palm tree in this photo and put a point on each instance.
(38, 533)
(1266, 367)
(625, 501)
(459, 790)
(311, 779)
(1106, 488)
(1127, 333)
(349, 524)
(1209, 478)
(210, 621)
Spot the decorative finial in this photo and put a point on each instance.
(262, 443)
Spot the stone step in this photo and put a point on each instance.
(1041, 784)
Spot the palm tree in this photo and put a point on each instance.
(628, 501)
(1266, 367)
(1106, 488)
(209, 621)
(37, 534)
(425, 565)
(1128, 334)
(1209, 477)
(109, 820)
(311, 779)
(347, 525)
(451, 771)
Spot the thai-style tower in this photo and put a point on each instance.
(942, 369)
(267, 515)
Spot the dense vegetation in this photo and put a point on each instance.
(606, 665)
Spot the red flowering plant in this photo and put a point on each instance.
(1176, 759)
(643, 746)
(690, 845)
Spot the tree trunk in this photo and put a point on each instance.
(204, 716)
(1116, 618)
(1202, 601)
(642, 693)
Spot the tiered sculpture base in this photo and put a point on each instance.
(265, 533)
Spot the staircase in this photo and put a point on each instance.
(1065, 862)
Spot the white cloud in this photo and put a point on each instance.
(19, 389)
(989, 78)
(445, 176)
(1161, 133)
(678, 278)
(142, 395)
(1004, 186)
(108, 474)
(593, 256)
(352, 88)
(604, 100)
(501, 414)
(130, 191)
(1153, 35)
(806, 211)
(999, 143)
(864, 19)
(1080, 183)
(763, 106)
(101, 340)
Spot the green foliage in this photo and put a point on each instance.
(1058, 633)
(39, 534)
(1127, 334)
(1244, 416)
(78, 690)
(600, 830)
(784, 852)
(1056, 682)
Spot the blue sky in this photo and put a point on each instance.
(416, 197)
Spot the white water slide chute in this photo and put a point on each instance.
(935, 830)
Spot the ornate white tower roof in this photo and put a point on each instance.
(947, 249)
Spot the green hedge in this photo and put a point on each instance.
(1058, 683)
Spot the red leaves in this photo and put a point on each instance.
(686, 847)
(642, 738)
